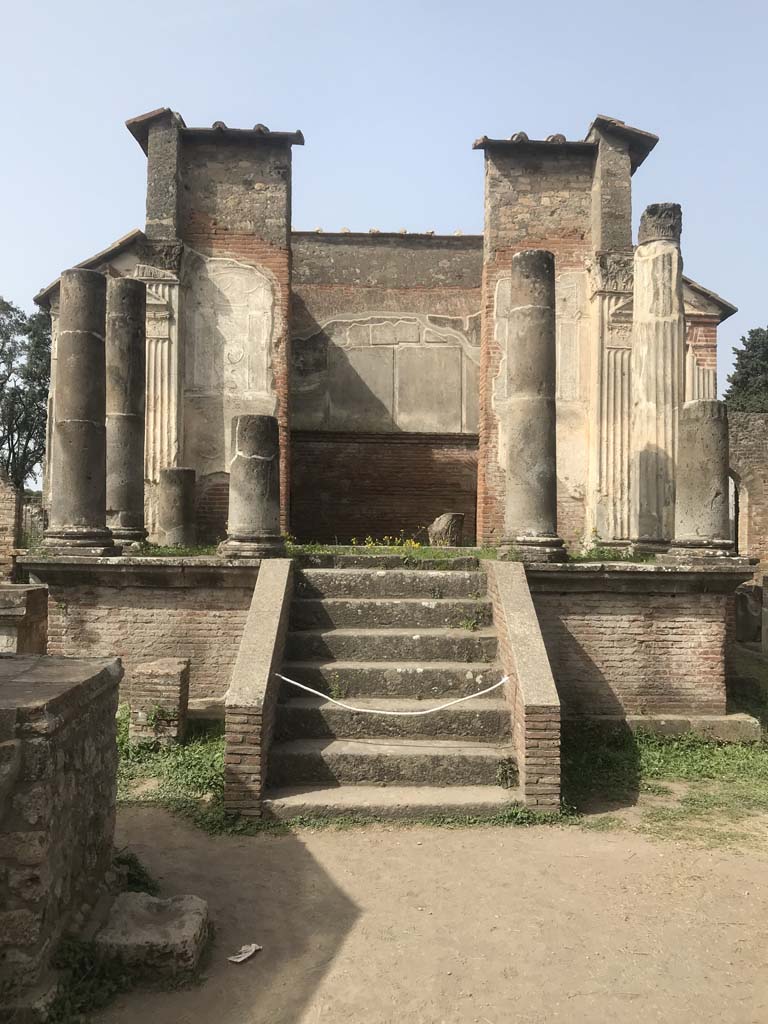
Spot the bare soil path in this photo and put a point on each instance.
(437, 926)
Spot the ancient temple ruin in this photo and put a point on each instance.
(385, 356)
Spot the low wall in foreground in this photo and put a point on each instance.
(638, 639)
(142, 609)
(58, 778)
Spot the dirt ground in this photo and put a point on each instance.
(437, 926)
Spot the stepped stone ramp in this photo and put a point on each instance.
(391, 639)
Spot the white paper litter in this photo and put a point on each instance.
(244, 953)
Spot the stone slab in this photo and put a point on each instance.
(165, 938)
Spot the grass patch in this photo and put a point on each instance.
(137, 878)
(608, 554)
(726, 784)
(415, 552)
(162, 551)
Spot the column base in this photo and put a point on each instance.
(714, 552)
(129, 536)
(649, 547)
(81, 542)
(532, 549)
(270, 546)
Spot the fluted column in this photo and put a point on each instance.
(78, 495)
(658, 341)
(528, 419)
(253, 525)
(126, 386)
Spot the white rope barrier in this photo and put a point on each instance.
(376, 711)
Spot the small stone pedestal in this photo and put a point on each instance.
(253, 526)
(158, 695)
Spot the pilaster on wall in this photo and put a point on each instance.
(538, 195)
(235, 222)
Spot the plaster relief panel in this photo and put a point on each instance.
(385, 372)
(427, 385)
(361, 388)
(228, 319)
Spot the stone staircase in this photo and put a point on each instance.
(394, 639)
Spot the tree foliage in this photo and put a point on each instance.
(748, 384)
(25, 368)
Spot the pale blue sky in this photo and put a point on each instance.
(390, 97)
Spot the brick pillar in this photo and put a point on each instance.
(158, 694)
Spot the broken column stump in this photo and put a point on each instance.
(253, 523)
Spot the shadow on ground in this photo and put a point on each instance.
(272, 893)
(600, 766)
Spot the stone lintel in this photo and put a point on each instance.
(736, 728)
(127, 571)
(638, 577)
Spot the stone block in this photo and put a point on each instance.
(163, 938)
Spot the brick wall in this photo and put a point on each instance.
(358, 485)
(748, 439)
(10, 525)
(57, 808)
(622, 653)
(141, 623)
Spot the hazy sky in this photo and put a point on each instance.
(390, 97)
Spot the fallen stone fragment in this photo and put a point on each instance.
(162, 937)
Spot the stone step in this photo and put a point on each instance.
(426, 583)
(406, 762)
(406, 612)
(335, 560)
(390, 802)
(484, 719)
(390, 679)
(392, 645)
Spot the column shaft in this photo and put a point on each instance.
(78, 497)
(529, 416)
(176, 507)
(657, 374)
(126, 372)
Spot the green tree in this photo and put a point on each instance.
(748, 384)
(25, 369)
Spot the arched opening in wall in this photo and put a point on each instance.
(737, 518)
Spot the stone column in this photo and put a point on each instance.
(126, 363)
(658, 340)
(176, 507)
(253, 527)
(78, 495)
(528, 419)
(702, 525)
